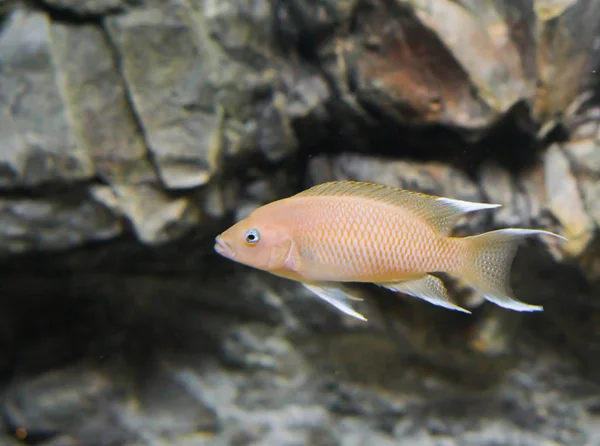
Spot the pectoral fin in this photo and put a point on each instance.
(337, 295)
(429, 288)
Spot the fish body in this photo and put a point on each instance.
(349, 231)
(357, 240)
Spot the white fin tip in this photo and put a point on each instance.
(468, 206)
(528, 232)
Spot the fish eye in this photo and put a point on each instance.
(252, 236)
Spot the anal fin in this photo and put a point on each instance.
(428, 287)
(336, 295)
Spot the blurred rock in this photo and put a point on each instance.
(71, 401)
(566, 202)
(561, 34)
(59, 222)
(5, 5)
(95, 409)
(572, 170)
(337, 392)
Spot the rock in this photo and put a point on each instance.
(46, 408)
(566, 202)
(562, 105)
(151, 414)
(406, 61)
(572, 171)
(162, 51)
(485, 48)
(155, 217)
(39, 145)
(54, 223)
(102, 115)
(6, 5)
(209, 97)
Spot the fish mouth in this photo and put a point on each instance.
(222, 248)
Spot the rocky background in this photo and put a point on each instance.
(132, 132)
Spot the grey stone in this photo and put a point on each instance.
(54, 223)
(153, 415)
(155, 217)
(160, 48)
(37, 139)
(54, 403)
(101, 113)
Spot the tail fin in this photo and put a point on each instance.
(488, 263)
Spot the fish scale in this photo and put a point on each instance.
(375, 255)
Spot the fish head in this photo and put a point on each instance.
(257, 242)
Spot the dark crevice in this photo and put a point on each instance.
(123, 254)
(75, 16)
(506, 144)
(296, 30)
(51, 188)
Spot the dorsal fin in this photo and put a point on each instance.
(442, 213)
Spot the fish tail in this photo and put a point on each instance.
(487, 264)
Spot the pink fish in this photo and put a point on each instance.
(350, 231)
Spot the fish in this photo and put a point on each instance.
(342, 232)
